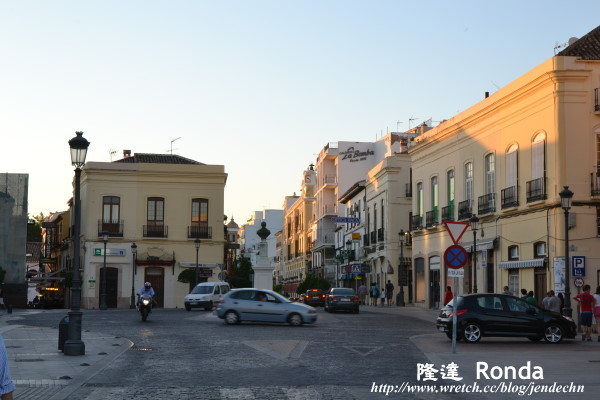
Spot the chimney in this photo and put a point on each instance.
(126, 153)
(487, 94)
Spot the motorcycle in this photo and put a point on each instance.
(145, 306)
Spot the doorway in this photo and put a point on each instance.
(156, 277)
(540, 286)
(112, 286)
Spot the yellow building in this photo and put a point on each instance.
(162, 203)
(505, 160)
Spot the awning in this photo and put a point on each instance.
(481, 245)
(536, 262)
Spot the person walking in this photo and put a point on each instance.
(7, 386)
(524, 294)
(382, 297)
(374, 294)
(506, 290)
(530, 298)
(551, 302)
(561, 297)
(597, 311)
(586, 304)
(448, 296)
(389, 292)
(362, 293)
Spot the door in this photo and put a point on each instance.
(539, 286)
(112, 286)
(434, 286)
(156, 277)
(521, 320)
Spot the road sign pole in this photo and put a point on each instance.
(454, 310)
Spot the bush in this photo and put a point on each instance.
(313, 282)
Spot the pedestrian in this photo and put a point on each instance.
(382, 297)
(389, 292)
(586, 304)
(597, 311)
(524, 294)
(448, 296)
(7, 386)
(561, 297)
(506, 290)
(374, 294)
(530, 298)
(362, 293)
(551, 302)
(1, 297)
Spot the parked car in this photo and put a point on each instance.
(205, 295)
(261, 305)
(489, 314)
(342, 299)
(314, 297)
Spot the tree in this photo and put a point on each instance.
(34, 228)
(240, 276)
(313, 282)
(188, 276)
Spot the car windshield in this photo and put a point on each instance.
(202, 290)
(343, 292)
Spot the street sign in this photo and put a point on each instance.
(455, 256)
(578, 269)
(578, 282)
(456, 229)
(456, 273)
(345, 220)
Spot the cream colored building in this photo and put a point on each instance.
(162, 203)
(506, 159)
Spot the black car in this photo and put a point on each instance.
(342, 299)
(314, 297)
(500, 315)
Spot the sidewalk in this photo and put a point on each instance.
(40, 370)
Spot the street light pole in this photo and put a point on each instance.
(401, 271)
(566, 197)
(74, 346)
(133, 268)
(197, 244)
(103, 305)
(474, 220)
(348, 247)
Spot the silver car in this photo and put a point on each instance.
(261, 305)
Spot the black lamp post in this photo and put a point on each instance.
(566, 197)
(474, 220)
(348, 247)
(103, 274)
(74, 346)
(197, 244)
(401, 271)
(133, 268)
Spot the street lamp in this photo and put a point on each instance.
(348, 247)
(103, 274)
(566, 197)
(474, 220)
(401, 271)
(197, 244)
(74, 346)
(133, 268)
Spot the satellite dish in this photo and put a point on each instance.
(572, 40)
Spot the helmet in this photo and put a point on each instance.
(147, 285)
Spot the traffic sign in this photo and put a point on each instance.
(456, 229)
(578, 282)
(578, 269)
(456, 273)
(455, 256)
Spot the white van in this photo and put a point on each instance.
(205, 295)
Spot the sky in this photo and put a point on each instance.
(257, 86)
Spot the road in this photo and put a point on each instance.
(194, 355)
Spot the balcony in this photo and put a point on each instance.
(595, 182)
(536, 190)
(417, 222)
(114, 228)
(200, 231)
(448, 213)
(380, 237)
(486, 204)
(431, 218)
(156, 231)
(464, 210)
(366, 240)
(330, 209)
(510, 197)
(373, 237)
(329, 180)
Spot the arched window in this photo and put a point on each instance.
(510, 194)
(469, 183)
(536, 188)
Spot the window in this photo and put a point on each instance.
(490, 302)
(511, 166)
(199, 225)
(434, 193)
(420, 199)
(450, 184)
(490, 173)
(513, 281)
(539, 250)
(513, 253)
(517, 305)
(156, 211)
(110, 209)
(538, 157)
(469, 183)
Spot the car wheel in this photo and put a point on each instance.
(231, 318)
(209, 307)
(187, 308)
(472, 333)
(295, 320)
(553, 333)
(534, 338)
(357, 310)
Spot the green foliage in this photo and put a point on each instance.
(278, 288)
(313, 282)
(34, 229)
(240, 276)
(188, 276)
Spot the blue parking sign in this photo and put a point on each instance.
(578, 267)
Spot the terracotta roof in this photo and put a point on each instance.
(586, 48)
(147, 158)
(35, 249)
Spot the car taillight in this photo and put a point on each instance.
(459, 312)
(333, 298)
(323, 296)
(355, 298)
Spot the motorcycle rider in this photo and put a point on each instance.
(146, 290)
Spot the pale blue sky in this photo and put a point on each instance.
(258, 86)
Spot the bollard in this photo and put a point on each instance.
(63, 332)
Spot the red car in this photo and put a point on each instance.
(314, 297)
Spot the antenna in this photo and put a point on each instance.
(398, 126)
(411, 119)
(173, 140)
(112, 153)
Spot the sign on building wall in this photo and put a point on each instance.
(559, 275)
(109, 252)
